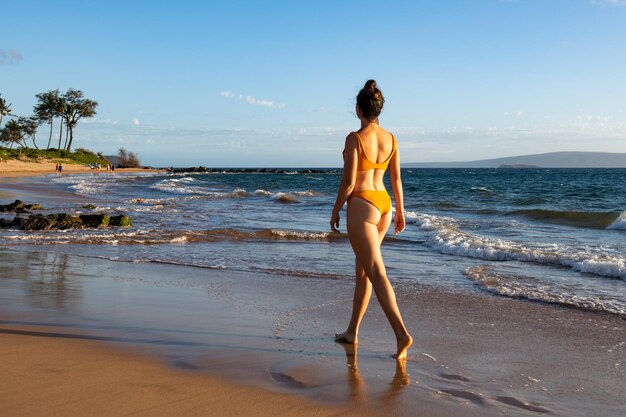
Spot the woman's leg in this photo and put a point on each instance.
(362, 295)
(364, 226)
(362, 291)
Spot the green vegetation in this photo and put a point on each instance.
(69, 108)
(79, 156)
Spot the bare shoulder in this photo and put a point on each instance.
(351, 140)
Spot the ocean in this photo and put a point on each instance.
(549, 235)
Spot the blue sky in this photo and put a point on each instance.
(241, 83)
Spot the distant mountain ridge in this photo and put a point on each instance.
(544, 160)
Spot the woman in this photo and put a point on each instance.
(367, 154)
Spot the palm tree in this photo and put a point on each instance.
(5, 109)
(59, 111)
(29, 127)
(77, 107)
(12, 133)
(46, 109)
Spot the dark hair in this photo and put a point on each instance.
(370, 100)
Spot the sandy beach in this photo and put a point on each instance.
(16, 168)
(91, 336)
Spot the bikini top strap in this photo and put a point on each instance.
(358, 140)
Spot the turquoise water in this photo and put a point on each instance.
(551, 235)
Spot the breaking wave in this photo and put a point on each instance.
(444, 236)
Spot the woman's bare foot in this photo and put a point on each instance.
(403, 345)
(346, 338)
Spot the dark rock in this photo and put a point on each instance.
(95, 220)
(63, 221)
(120, 221)
(90, 206)
(39, 222)
(202, 169)
(19, 207)
(67, 221)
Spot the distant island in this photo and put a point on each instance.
(544, 160)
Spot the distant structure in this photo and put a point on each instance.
(544, 160)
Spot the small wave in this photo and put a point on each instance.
(307, 193)
(444, 236)
(174, 186)
(619, 223)
(262, 192)
(155, 237)
(285, 198)
(598, 220)
(483, 191)
(551, 292)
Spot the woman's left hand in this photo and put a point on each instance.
(334, 222)
(398, 222)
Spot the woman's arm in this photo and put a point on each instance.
(350, 155)
(396, 185)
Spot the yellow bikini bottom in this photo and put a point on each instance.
(379, 199)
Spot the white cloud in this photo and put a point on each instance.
(252, 100)
(10, 56)
(136, 122)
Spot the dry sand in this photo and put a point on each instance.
(17, 168)
(44, 375)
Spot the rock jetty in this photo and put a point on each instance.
(207, 170)
(57, 221)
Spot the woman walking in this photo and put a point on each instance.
(367, 155)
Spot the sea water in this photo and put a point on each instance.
(551, 235)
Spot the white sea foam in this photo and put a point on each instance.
(175, 186)
(545, 290)
(291, 234)
(307, 193)
(262, 192)
(619, 223)
(444, 235)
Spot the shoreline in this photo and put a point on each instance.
(14, 168)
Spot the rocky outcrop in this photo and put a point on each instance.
(207, 170)
(19, 207)
(64, 221)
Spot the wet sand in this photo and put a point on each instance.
(474, 354)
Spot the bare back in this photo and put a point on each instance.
(377, 145)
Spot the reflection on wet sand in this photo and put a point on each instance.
(356, 382)
(46, 281)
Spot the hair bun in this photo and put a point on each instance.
(370, 85)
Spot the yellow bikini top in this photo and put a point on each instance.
(365, 163)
